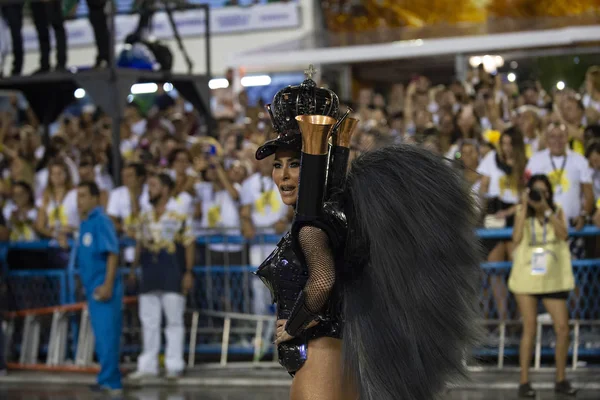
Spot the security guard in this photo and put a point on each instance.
(97, 257)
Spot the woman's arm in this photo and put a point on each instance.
(40, 223)
(321, 277)
(520, 219)
(519, 226)
(222, 175)
(559, 224)
(483, 189)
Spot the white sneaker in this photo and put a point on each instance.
(174, 375)
(138, 375)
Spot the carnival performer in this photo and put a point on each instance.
(376, 282)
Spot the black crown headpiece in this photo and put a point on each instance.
(289, 102)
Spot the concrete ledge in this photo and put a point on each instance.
(488, 379)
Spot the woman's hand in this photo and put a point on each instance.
(280, 333)
(188, 282)
(282, 336)
(525, 197)
(502, 214)
(200, 163)
(541, 205)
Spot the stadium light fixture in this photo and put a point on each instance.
(144, 88)
(256, 80)
(490, 63)
(218, 83)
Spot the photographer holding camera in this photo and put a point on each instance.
(542, 270)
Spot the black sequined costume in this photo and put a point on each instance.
(301, 272)
(396, 273)
(285, 272)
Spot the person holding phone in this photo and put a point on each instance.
(542, 270)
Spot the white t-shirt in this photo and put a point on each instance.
(220, 211)
(185, 202)
(567, 182)
(204, 191)
(588, 102)
(119, 206)
(531, 145)
(267, 206)
(139, 128)
(596, 184)
(103, 179)
(23, 231)
(61, 214)
(501, 186)
(119, 203)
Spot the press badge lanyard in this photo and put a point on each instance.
(533, 236)
(560, 174)
(539, 256)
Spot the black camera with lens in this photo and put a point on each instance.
(535, 195)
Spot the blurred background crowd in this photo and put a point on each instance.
(497, 121)
(467, 122)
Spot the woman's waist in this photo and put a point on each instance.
(327, 316)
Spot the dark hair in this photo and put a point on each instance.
(577, 100)
(593, 131)
(140, 170)
(87, 158)
(549, 200)
(397, 115)
(165, 180)
(518, 146)
(594, 146)
(27, 188)
(92, 188)
(175, 152)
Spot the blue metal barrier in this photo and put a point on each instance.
(40, 288)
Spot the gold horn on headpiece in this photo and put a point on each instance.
(315, 131)
(344, 133)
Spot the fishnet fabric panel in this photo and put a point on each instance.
(321, 268)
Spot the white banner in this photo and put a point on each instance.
(189, 23)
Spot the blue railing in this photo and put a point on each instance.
(66, 278)
(224, 287)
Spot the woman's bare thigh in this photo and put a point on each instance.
(320, 378)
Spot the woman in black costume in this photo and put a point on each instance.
(384, 258)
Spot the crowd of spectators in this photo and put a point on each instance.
(497, 133)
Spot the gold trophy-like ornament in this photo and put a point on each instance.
(315, 130)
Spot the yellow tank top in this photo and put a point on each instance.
(541, 261)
